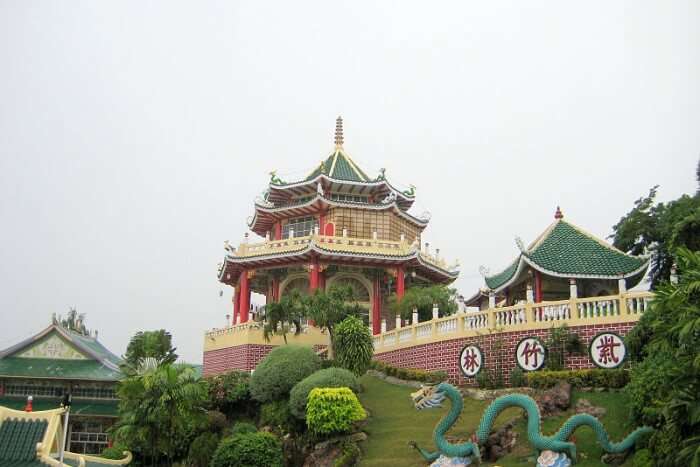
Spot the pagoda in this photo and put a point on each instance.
(562, 262)
(336, 226)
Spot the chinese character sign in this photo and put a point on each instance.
(530, 354)
(607, 350)
(471, 360)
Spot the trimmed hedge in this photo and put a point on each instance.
(249, 450)
(599, 378)
(410, 373)
(280, 370)
(243, 427)
(333, 410)
(328, 378)
(353, 345)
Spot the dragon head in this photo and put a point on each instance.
(428, 397)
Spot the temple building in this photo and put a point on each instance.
(56, 362)
(564, 261)
(337, 225)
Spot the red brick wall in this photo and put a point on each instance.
(444, 355)
(241, 357)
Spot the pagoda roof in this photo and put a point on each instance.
(339, 166)
(58, 353)
(567, 251)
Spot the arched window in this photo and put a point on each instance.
(360, 292)
(300, 283)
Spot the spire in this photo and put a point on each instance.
(558, 214)
(339, 132)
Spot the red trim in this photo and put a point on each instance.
(313, 274)
(400, 286)
(245, 296)
(329, 231)
(538, 291)
(236, 303)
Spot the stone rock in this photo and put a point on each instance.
(325, 453)
(615, 459)
(554, 400)
(444, 461)
(585, 406)
(500, 442)
(489, 394)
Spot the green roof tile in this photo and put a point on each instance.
(54, 368)
(502, 277)
(339, 166)
(18, 439)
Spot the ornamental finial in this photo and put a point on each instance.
(339, 132)
(558, 214)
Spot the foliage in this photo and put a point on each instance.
(149, 344)
(328, 308)
(517, 378)
(492, 372)
(560, 342)
(216, 421)
(349, 455)
(115, 452)
(249, 450)
(642, 458)
(423, 298)
(333, 410)
(229, 392)
(277, 415)
(665, 386)
(73, 322)
(284, 314)
(328, 378)
(659, 229)
(243, 427)
(589, 378)
(330, 363)
(202, 449)
(159, 409)
(353, 345)
(280, 370)
(411, 374)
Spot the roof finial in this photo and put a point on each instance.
(558, 214)
(339, 132)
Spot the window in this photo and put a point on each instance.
(349, 198)
(302, 226)
(88, 437)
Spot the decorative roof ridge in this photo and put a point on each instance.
(316, 179)
(544, 270)
(352, 163)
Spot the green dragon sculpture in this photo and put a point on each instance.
(432, 396)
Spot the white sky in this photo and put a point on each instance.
(134, 136)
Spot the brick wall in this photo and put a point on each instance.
(444, 355)
(241, 357)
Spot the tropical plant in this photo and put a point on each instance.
(561, 342)
(230, 392)
(249, 450)
(276, 414)
(202, 449)
(328, 378)
(156, 345)
(159, 409)
(665, 386)
(333, 410)
(423, 298)
(280, 370)
(330, 307)
(243, 427)
(281, 316)
(353, 345)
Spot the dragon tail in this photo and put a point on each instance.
(569, 426)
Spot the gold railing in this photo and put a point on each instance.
(611, 309)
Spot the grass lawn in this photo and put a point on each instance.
(394, 422)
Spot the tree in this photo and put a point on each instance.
(665, 386)
(659, 229)
(73, 322)
(149, 344)
(159, 408)
(281, 316)
(423, 298)
(328, 308)
(353, 345)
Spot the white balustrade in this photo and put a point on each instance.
(511, 316)
(390, 338)
(405, 334)
(424, 329)
(476, 321)
(447, 325)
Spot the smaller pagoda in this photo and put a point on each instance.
(564, 261)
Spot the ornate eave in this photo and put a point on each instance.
(266, 215)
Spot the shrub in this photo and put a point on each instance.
(410, 373)
(333, 410)
(353, 345)
(277, 415)
(115, 452)
(328, 378)
(329, 363)
(611, 379)
(229, 391)
(642, 458)
(284, 367)
(249, 450)
(243, 427)
(349, 455)
(517, 378)
(483, 380)
(202, 449)
(216, 421)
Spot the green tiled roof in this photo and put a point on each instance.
(18, 439)
(108, 408)
(566, 250)
(50, 368)
(340, 167)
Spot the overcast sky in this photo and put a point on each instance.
(134, 136)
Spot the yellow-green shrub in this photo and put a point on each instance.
(333, 410)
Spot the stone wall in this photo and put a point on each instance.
(241, 357)
(444, 355)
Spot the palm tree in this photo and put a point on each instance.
(281, 316)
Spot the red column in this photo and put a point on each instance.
(236, 303)
(322, 280)
(538, 291)
(245, 296)
(399, 282)
(376, 307)
(278, 231)
(313, 275)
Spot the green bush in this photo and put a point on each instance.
(517, 378)
(349, 455)
(328, 378)
(648, 379)
(216, 421)
(483, 380)
(202, 449)
(642, 458)
(284, 367)
(229, 391)
(410, 373)
(329, 364)
(115, 452)
(599, 378)
(333, 410)
(353, 345)
(277, 415)
(243, 427)
(249, 450)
